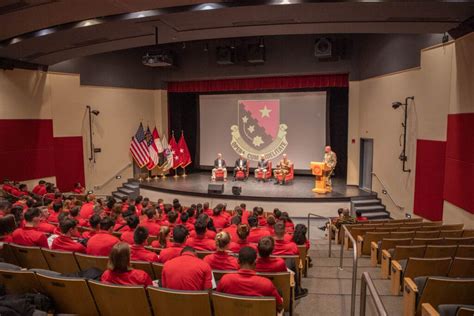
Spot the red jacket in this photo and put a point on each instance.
(139, 253)
(53, 217)
(209, 234)
(128, 237)
(132, 277)
(87, 210)
(171, 252)
(152, 226)
(236, 246)
(221, 260)
(232, 230)
(201, 243)
(284, 247)
(270, 264)
(262, 221)
(256, 233)
(101, 243)
(220, 221)
(187, 272)
(29, 236)
(46, 227)
(39, 189)
(66, 243)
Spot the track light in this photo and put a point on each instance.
(206, 47)
(403, 156)
(118, 177)
(396, 105)
(261, 44)
(95, 112)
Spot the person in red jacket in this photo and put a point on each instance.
(232, 229)
(138, 251)
(221, 260)
(132, 223)
(187, 272)
(87, 208)
(265, 263)
(185, 221)
(103, 241)
(94, 223)
(119, 270)
(40, 188)
(43, 225)
(220, 221)
(360, 218)
(200, 242)
(206, 210)
(282, 246)
(258, 211)
(29, 235)
(53, 216)
(78, 188)
(243, 231)
(245, 282)
(150, 223)
(64, 241)
(256, 232)
(180, 233)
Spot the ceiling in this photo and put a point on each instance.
(50, 31)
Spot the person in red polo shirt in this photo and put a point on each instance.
(53, 216)
(102, 242)
(258, 211)
(40, 188)
(200, 242)
(119, 270)
(232, 229)
(138, 251)
(185, 221)
(43, 225)
(220, 221)
(132, 222)
(256, 232)
(78, 188)
(64, 241)
(187, 272)
(265, 263)
(243, 213)
(282, 246)
(150, 223)
(206, 210)
(243, 231)
(180, 233)
(87, 208)
(29, 235)
(246, 283)
(221, 260)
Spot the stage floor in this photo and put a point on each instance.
(196, 184)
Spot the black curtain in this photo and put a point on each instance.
(338, 127)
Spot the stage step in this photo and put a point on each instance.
(366, 202)
(370, 207)
(130, 189)
(377, 215)
(132, 186)
(126, 190)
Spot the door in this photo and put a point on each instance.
(366, 160)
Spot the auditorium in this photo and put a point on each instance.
(237, 158)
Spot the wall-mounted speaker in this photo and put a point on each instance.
(236, 190)
(255, 53)
(323, 48)
(225, 55)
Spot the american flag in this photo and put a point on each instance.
(139, 148)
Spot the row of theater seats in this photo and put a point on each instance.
(68, 262)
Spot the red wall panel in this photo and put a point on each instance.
(69, 162)
(429, 179)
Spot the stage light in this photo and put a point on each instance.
(206, 47)
(396, 105)
(118, 177)
(90, 192)
(261, 44)
(95, 112)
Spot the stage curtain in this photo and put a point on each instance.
(265, 83)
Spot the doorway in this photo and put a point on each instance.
(366, 163)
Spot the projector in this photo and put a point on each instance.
(157, 60)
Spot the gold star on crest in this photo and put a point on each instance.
(257, 141)
(265, 112)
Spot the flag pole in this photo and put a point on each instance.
(184, 172)
(148, 179)
(175, 173)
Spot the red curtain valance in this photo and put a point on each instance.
(265, 83)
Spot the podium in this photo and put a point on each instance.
(320, 184)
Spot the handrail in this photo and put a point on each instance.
(366, 281)
(354, 265)
(309, 226)
(385, 191)
(98, 187)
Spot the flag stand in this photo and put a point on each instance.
(184, 172)
(175, 173)
(148, 179)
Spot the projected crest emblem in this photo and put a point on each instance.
(259, 130)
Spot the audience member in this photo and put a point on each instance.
(127, 236)
(282, 246)
(64, 241)
(256, 232)
(102, 242)
(180, 233)
(221, 260)
(87, 209)
(265, 263)
(29, 235)
(150, 222)
(94, 223)
(138, 251)
(200, 242)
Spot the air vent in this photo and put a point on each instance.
(11, 6)
(264, 22)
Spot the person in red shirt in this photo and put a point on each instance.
(258, 211)
(163, 240)
(132, 222)
(150, 223)
(78, 188)
(360, 218)
(138, 251)
(103, 241)
(289, 226)
(220, 221)
(53, 216)
(265, 263)
(246, 283)
(119, 270)
(232, 229)
(7, 185)
(200, 242)
(271, 221)
(206, 210)
(243, 231)
(29, 235)
(173, 219)
(64, 241)
(22, 190)
(185, 221)
(74, 214)
(43, 225)
(221, 260)
(282, 246)
(40, 188)
(243, 213)
(191, 215)
(187, 272)
(87, 209)
(256, 232)
(180, 233)
(94, 223)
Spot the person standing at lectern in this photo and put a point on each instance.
(330, 159)
(219, 164)
(283, 168)
(262, 166)
(240, 165)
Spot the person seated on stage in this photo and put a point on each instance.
(243, 231)
(180, 233)
(163, 240)
(218, 218)
(345, 219)
(200, 242)
(103, 241)
(150, 222)
(240, 165)
(221, 260)
(265, 263)
(283, 168)
(119, 270)
(138, 251)
(187, 272)
(235, 221)
(282, 246)
(258, 211)
(245, 282)
(28, 235)
(78, 188)
(132, 223)
(330, 159)
(360, 218)
(256, 232)
(219, 164)
(64, 241)
(262, 166)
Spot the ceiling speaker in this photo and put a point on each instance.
(323, 48)
(225, 55)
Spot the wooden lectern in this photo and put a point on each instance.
(320, 184)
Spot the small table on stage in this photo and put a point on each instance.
(319, 169)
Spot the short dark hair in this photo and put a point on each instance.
(150, 212)
(110, 203)
(31, 213)
(57, 207)
(106, 223)
(184, 217)
(132, 221)
(247, 255)
(74, 211)
(188, 249)
(340, 210)
(236, 220)
(253, 221)
(179, 234)
(42, 182)
(277, 213)
(172, 217)
(66, 224)
(265, 246)
(94, 220)
(140, 235)
(279, 228)
(358, 213)
(167, 208)
(243, 206)
(200, 227)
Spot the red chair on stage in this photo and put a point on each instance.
(219, 175)
(241, 175)
(289, 176)
(265, 175)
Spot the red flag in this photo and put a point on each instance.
(175, 151)
(184, 156)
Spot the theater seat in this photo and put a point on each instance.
(242, 175)
(18, 281)
(236, 305)
(267, 174)
(29, 257)
(289, 177)
(86, 261)
(61, 261)
(174, 302)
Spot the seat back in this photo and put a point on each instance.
(115, 300)
(465, 311)
(218, 274)
(427, 241)
(235, 305)
(451, 233)
(462, 268)
(452, 227)
(438, 223)
(173, 302)
(86, 261)
(468, 233)
(360, 231)
(29, 257)
(405, 252)
(157, 269)
(440, 251)
(8, 255)
(372, 237)
(201, 254)
(465, 251)
(435, 292)
(70, 295)
(386, 229)
(145, 266)
(391, 243)
(19, 281)
(61, 261)
(459, 240)
(409, 228)
(282, 281)
(402, 234)
(427, 267)
(427, 234)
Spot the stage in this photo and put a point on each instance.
(295, 197)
